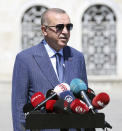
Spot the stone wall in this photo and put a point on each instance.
(11, 13)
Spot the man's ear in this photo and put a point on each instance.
(43, 29)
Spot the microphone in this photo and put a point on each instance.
(61, 88)
(100, 100)
(49, 93)
(49, 105)
(67, 96)
(78, 106)
(27, 108)
(37, 98)
(59, 106)
(62, 106)
(90, 93)
(79, 87)
(57, 90)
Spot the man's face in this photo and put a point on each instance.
(57, 39)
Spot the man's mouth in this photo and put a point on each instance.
(63, 38)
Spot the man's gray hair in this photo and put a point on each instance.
(44, 18)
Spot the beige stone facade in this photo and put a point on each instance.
(11, 13)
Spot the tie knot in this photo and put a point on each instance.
(58, 54)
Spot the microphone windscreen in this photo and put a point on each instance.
(78, 106)
(28, 107)
(49, 105)
(77, 85)
(90, 93)
(62, 106)
(37, 98)
(61, 87)
(67, 96)
(49, 93)
(100, 100)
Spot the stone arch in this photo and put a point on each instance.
(31, 26)
(99, 40)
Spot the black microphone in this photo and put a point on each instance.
(49, 93)
(27, 108)
(62, 106)
(59, 106)
(90, 93)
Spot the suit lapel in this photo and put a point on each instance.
(69, 65)
(45, 64)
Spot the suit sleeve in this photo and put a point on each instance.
(83, 69)
(19, 93)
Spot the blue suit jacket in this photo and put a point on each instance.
(34, 72)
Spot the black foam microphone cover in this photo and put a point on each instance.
(62, 106)
(90, 93)
(49, 93)
(28, 107)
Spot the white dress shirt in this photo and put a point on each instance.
(51, 52)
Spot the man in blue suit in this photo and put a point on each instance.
(35, 68)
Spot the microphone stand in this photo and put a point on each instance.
(106, 124)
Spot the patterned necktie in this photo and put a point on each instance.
(59, 67)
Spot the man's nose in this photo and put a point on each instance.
(65, 30)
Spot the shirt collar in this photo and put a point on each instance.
(51, 52)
